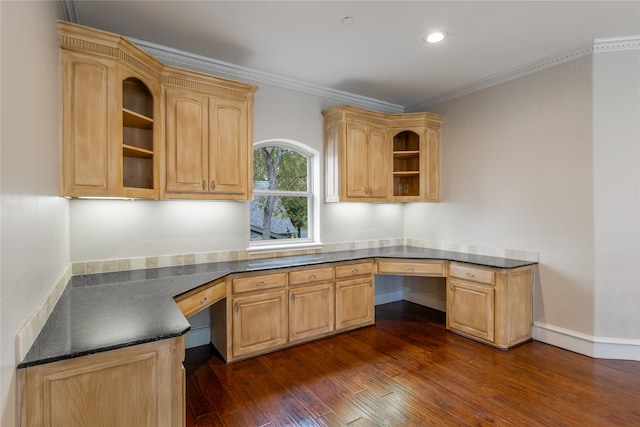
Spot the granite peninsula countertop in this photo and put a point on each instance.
(101, 312)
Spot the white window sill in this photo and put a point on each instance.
(283, 247)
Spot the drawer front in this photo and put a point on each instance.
(311, 275)
(353, 270)
(411, 267)
(474, 274)
(257, 283)
(194, 302)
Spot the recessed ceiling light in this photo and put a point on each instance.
(348, 20)
(435, 37)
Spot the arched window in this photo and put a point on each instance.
(284, 209)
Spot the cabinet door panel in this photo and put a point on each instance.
(228, 149)
(354, 303)
(141, 385)
(311, 312)
(356, 163)
(470, 309)
(89, 118)
(378, 153)
(259, 323)
(187, 141)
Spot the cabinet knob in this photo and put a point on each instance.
(293, 297)
(260, 284)
(204, 184)
(355, 270)
(409, 268)
(312, 277)
(213, 185)
(204, 300)
(469, 274)
(236, 307)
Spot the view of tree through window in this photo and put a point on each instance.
(281, 202)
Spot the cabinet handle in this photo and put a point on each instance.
(213, 185)
(204, 184)
(451, 287)
(355, 270)
(260, 284)
(204, 300)
(236, 307)
(312, 277)
(293, 297)
(409, 268)
(469, 274)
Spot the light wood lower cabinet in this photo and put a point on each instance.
(264, 312)
(492, 305)
(311, 312)
(354, 303)
(142, 385)
(470, 309)
(259, 323)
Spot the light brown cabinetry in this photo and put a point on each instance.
(143, 385)
(354, 295)
(122, 110)
(372, 156)
(492, 305)
(208, 136)
(111, 104)
(269, 311)
(412, 267)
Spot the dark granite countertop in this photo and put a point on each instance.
(100, 312)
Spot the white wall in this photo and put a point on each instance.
(616, 166)
(35, 231)
(102, 230)
(550, 162)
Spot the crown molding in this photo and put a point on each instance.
(599, 45)
(220, 68)
(212, 66)
(71, 13)
(613, 44)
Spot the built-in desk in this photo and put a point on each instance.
(118, 337)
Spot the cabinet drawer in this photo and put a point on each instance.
(201, 298)
(412, 267)
(257, 283)
(311, 275)
(474, 274)
(352, 270)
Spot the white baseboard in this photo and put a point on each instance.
(391, 295)
(436, 302)
(198, 336)
(597, 347)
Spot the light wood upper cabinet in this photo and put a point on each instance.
(208, 137)
(365, 162)
(134, 127)
(111, 103)
(371, 156)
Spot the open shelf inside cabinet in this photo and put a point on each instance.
(137, 135)
(406, 164)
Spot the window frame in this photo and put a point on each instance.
(312, 241)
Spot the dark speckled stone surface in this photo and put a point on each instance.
(101, 312)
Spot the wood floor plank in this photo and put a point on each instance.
(408, 371)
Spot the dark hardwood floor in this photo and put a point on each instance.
(408, 371)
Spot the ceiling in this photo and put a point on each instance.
(381, 54)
